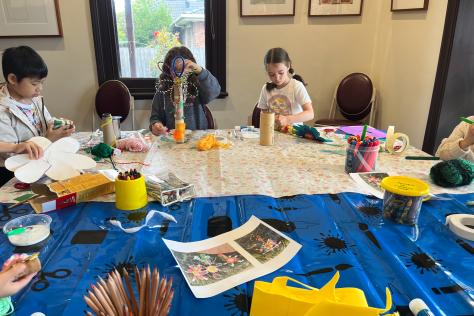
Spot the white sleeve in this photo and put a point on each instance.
(262, 101)
(449, 147)
(301, 95)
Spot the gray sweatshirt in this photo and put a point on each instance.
(162, 109)
(15, 127)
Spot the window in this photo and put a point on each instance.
(132, 36)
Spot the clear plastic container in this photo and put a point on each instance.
(36, 229)
(361, 158)
(403, 198)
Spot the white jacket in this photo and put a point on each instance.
(15, 127)
(449, 147)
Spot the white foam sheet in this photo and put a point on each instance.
(32, 171)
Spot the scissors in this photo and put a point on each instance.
(7, 214)
(42, 283)
(174, 68)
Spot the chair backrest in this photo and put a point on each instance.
(256, 116)
(354, 96)
(211, 124)
(113, 97)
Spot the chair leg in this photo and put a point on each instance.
(132, 107)
(332, 110)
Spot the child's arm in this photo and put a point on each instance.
(14, 277)
(54, 134)
(158, 116)
(209, 87)
(306, 115)
(458, 144)
(33, 150)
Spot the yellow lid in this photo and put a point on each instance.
(405, 186)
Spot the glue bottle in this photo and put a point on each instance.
(419, 308)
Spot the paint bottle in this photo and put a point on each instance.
(419, 308)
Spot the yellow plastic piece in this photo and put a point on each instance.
(208, 142)
(130, 194)
(279, 299)
(406, 186)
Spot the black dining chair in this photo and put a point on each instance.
(211, 123)
(256, 116)
(114, 97)
(355, 99)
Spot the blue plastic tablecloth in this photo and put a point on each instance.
(344, 232)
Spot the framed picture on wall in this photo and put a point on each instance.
(334, 7)
(409, 5)
(30, 18)
(267, 7)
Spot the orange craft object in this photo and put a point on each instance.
(180, 128)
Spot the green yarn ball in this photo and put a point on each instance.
(452, 173)
(102, 150)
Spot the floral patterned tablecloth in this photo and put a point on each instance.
(291, 166)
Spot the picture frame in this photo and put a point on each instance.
(409, 5)
(335, 7)
(30, 18)
(259, 8)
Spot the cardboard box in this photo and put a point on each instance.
(61, 194)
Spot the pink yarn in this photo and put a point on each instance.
(132, 144)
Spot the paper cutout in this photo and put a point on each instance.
(59, 162)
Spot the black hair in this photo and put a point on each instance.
(165, 81)
(23, 61)
(279, 55)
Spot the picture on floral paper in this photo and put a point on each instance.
(369, 182)
(220, 263)
(211, 265)
(263, 243)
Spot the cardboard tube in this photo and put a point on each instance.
(267, 126)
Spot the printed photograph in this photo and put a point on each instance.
(373, 179)
(212, 265)
(263, 243)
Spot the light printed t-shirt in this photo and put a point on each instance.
(285, 101)
(30, 113)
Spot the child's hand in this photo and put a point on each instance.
(55, 134)
(468, 139)
(13, 279)
(158, 129)
(33, 150)
(282, 120)
(191, 66)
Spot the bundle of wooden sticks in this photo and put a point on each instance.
(115, 296)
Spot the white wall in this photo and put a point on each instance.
(407, 52)
(398, 50)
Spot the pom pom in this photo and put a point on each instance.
(452, 173)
